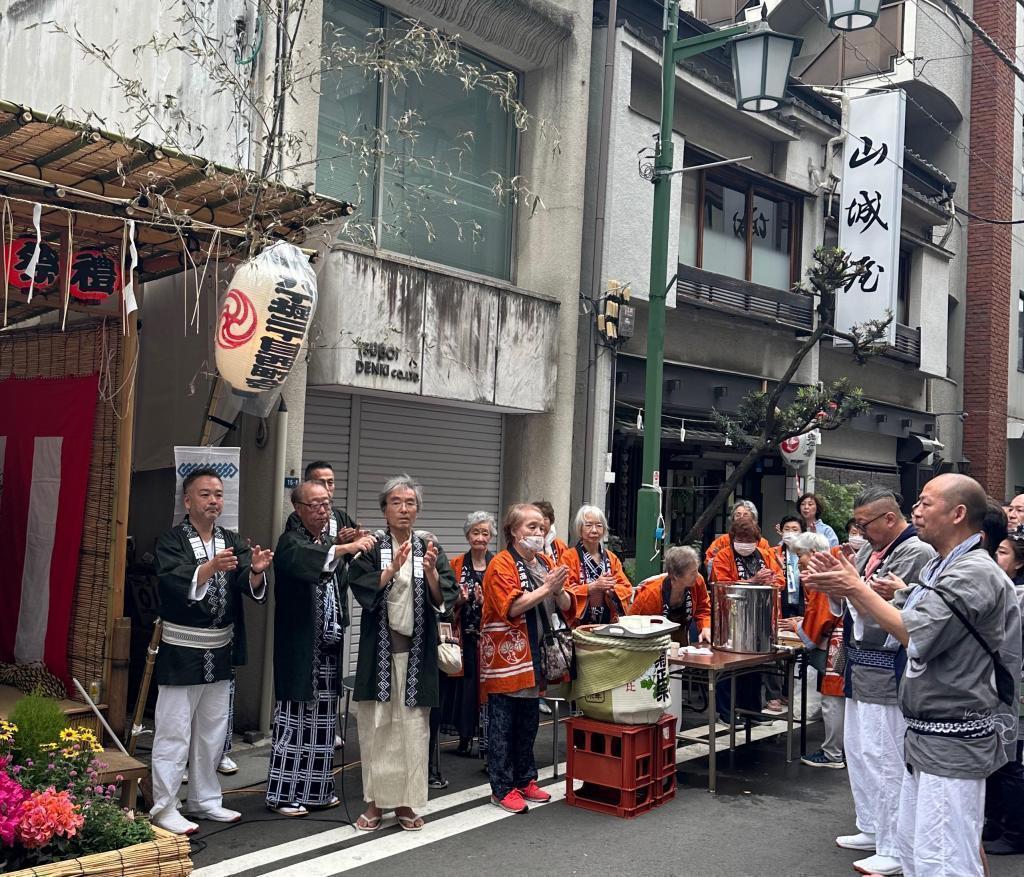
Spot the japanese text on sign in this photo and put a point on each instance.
(871, 208)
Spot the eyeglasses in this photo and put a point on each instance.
(317, 506)
(862, 525)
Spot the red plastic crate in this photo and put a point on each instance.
(665, 747)
(624, 803)
(614, 756)
(664, 789)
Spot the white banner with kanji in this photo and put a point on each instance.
(870, 209)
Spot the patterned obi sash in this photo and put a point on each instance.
(880, 658)
(972, 729)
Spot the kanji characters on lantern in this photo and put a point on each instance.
(95, 274)
(95, 271)
(18, 257)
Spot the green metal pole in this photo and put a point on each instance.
(648, 505)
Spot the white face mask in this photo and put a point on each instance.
(532, 543)
(858, 542)
(789, 538)
(744, 548)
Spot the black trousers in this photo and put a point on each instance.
(513, 723)
(1004, 800)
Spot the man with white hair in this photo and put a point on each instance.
(959, 631)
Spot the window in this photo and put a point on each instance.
(903, 288)
(1020, 331)
(741, 230)
(426, 189)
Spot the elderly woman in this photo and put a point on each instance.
(520, 584)
(744, 510)
(811, 509)
(679, 594)
(596, 577)
(821, 632)
(460, 695)
(402, 584)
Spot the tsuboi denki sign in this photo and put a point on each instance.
(377, 358)
(264, 319)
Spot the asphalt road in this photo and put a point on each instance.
(768, 818)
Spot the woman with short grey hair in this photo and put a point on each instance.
(680, 594)
(596, 576)
(460, 694)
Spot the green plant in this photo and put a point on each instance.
(838, 500)
(108, 827)
(40, 721)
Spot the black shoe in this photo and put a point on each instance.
(1002, 847)
(436, 781)
(993, 830)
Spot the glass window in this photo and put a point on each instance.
(771, 242)
(689, 218)
(444, 149)
(725, 236)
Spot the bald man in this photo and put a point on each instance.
(948, 694)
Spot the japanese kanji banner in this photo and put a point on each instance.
(224, 461)
(871, 208)
(45, 448)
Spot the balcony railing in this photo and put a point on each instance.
(869, 52)
(729, 295)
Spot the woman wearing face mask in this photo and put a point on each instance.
(519, 585)
(742, 560)
(596, 577)
(855, 539)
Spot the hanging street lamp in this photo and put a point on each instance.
(850, 15)
(760, 67)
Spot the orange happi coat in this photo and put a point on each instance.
(558, 550)
(723, 567)
(506, 657)
(649, 600)
(623, 587)
(721, 542)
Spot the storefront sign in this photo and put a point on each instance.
(380, 359)
(871, 208)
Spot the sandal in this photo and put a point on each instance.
(411, 823)
(369, 823)
(327, 805)
(288, 809)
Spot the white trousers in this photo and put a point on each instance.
(940, 826)
(832, 710)
(191, 721)
(873, 739)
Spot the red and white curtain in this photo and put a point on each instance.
(45, 447)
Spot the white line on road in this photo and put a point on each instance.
(393, 844)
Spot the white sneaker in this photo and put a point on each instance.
(217, 814)
(172, 821)
(879, 865)
(544, 708)
(863, 841)
(227, 766)
(184, 777)
(339, 741)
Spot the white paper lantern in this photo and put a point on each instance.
(798, 450)
(264, 319)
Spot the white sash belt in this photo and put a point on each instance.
(197, 637)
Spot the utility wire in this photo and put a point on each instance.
(977, 30)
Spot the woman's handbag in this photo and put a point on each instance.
(449, 651)
(556, 650)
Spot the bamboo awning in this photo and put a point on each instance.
(179, 202)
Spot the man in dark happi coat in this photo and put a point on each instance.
(402, 584)
(203, 572)
(309, 622)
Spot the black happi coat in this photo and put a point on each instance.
(373, 673)
(298, 569)
(341, 520)
(175, 566)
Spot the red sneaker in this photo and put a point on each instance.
(533, 792)
(513, 802)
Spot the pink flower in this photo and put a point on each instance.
(12, 796)
(45, 815)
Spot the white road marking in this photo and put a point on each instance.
(439, 829)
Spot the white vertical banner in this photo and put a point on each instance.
(224, 461)
(870, 210)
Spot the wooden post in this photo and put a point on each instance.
(125, 403)
(117, 692)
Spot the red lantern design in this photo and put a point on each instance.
(18, 256)
(95, 274)
(238, 320)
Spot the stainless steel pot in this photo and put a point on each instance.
(742, 617)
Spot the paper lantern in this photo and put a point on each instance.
(95, 274)
(798, 450)
(264, 320)
(18, 257)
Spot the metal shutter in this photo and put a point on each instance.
(455, 453)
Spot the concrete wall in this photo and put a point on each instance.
(63, 79)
